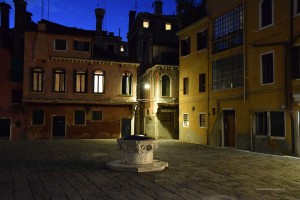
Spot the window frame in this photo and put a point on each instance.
(185, 46)
(202, 40)
(75, 117)
(37, 79)
(82, 87)
(202, 83)
(55, 44)
(296, 7)
(262, 69)
(186, 86)
(102, 75)
(268, 123)
(261, 26)
(126, 83)
(38, 117)
(166, 88)
(201, 114)
(80, 46)
(186, 120)
(96, 120)
(57, 82)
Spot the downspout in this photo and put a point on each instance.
(208, 81)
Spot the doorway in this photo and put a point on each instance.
(5, 125)
(58, 127)
(229, 128)
(125, 127)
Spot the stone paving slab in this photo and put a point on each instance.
(76, 169)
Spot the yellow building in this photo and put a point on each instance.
(239, 76)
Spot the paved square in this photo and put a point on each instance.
(75, 169)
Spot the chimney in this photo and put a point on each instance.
(4, 7)
(158, 7)
(99, 12)
(20, 14)
(132, 14)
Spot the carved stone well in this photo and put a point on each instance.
(137, 155)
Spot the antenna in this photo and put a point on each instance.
(135, 5)
(48, 9)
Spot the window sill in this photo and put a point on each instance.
(265, 27)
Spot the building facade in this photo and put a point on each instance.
(244, 59)
(62, 82)
(152, 42)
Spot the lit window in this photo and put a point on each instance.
(122, 49)
(80, 81)
(270, 123)
(165, 86)
(60, 45)
(127, 83)
(146, 24)
(79, 117)
(59, 80)
(37, 80)
(186, 120)
(98, 81)
(266, 13)
(202, 122)
(168, 27)
(267, 68)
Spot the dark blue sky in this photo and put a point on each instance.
(80, 13)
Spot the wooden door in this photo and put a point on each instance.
(229, 128)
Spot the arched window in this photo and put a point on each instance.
(165, 86)
(126, 83)
(37, 81)
(266, 13)
(80, 81)
(99, 81)
(59, 80)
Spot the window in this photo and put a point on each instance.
(79, 117)
(202, 83)
(296, 62)
(60, 45)
(296, 6)
(146, 24)
(80, 81)
(97, 116)
(185, 85)
(165, 86)
(202, 120)
(81, 46)
(110, 48)
(228, 73)
(168, 26)
(186, 120)
(127, 83)
(228, 30)
(122, 48)
(266, 13)
(37, 80)
(201, 40)
(267, 68)
(270, 123)
(16, 69)
(185, 47)
(99, 81)
(59, 80)
(38, 117)
(16, 96)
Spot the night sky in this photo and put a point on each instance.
(80, 13)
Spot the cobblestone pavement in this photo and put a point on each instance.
(75, 169)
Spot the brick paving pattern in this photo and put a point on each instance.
(75, 169)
